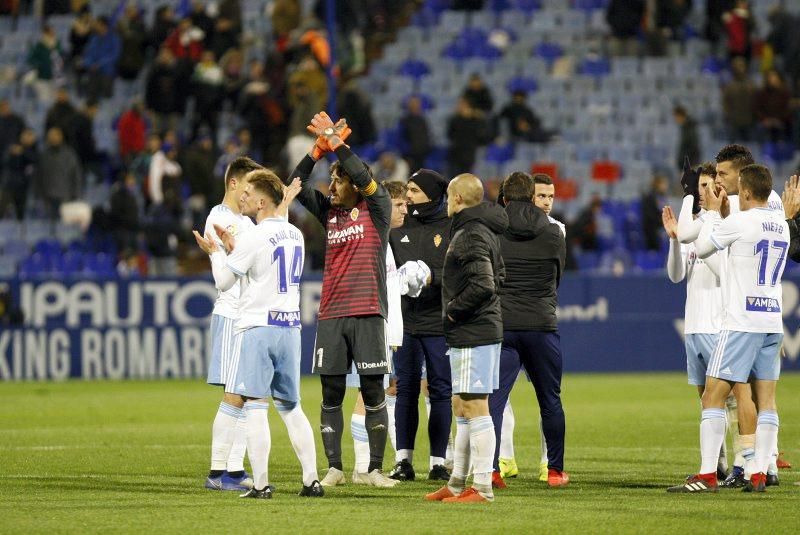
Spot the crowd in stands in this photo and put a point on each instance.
(148, 102)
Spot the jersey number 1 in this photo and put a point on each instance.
(290, 277)
(762, 248)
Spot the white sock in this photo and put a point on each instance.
(461, 456)
(766, 439)
(722, 462)
(391, 401)
(748, 443)
(360, 442)
(543, 459)
(448, 454)
(712, 433)
(404, 454)
(222, 434)
(732, 412)
(435, 461)
(302, 438)
(773, 461)
(258, 441)
(428, 407)
(239, 447)
(507, 433)
(482, 443)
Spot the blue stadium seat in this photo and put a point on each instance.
(712, 65)
(100, 265)
(527, 6)
(587, 260)
(597, 67)
(522, 83)
(414, 68)
(649, 260)
(548, 51)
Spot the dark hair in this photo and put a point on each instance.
(396, 189)
(757, 180)
(338, 169)
(542, 178)
(267, 182)
(518, 186)
(680, 110)
(738, 155)
(239, 167)
(708, 168)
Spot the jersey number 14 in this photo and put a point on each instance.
(291, 276)
(763, 248)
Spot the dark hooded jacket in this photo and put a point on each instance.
(534, 252)
(472, 276)
(425, 235)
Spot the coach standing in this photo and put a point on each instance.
(473, 327)
(424, 236)
(534, 252)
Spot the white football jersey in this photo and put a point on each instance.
(757, 241)
(703, 294)
(774, 202)
(394, 321)
(269, 261)
(227, 303)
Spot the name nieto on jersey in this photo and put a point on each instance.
(771, 226)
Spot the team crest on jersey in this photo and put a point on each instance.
(437, 240)
(231, 229)
(354, 214)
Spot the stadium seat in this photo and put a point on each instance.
(499, 154)
(414, 68)
(522, 83)
(547, 168)
(597, 67)
(549, 52)
(527, 6)
(778, 152)
(606, 171)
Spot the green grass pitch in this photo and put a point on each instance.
(132, 456)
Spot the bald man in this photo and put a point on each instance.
(473, 327)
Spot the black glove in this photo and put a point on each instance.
(690, 179)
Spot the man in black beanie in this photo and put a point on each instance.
(424, 236)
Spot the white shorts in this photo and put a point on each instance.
(267, 363)
(475, 370)
(739, 355)
(699, 349)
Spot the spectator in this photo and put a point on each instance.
(161, 90)
(79, 34)
(59, 175)
(123, 218)
(228, 27)
(100, 60)
(739, 29)
(133, 35)
(415, 134)
(207, 83)
(62, 112)
(309, 74)
(585, 229)
(521, 122)
(390, 167)
(285, 19)
(355, 106)
(478, 95)
(82, 140)
(230, 152)
(232, 65)
(263, 113)
(18, 172)
(47, 64)
(202, 20)
(11, 126)
(671, 16)
(467, 129)
(738, 102)
(651, 213)
(132, 131)
(785, 41)
(186, 41)
(199, 169)
(163, 25)
(164, 173)
(714, 28)
(140, 163)
(772, 107)
(163, 222)
(625, 19)
(689, 140)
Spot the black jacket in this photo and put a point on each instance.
(794, 236)
(424, 236)
(534, 252)
(472, 276)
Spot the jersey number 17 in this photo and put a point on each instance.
(763, 248)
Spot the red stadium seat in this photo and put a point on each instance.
(547, 168)
(566, 189)
(606, 171)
